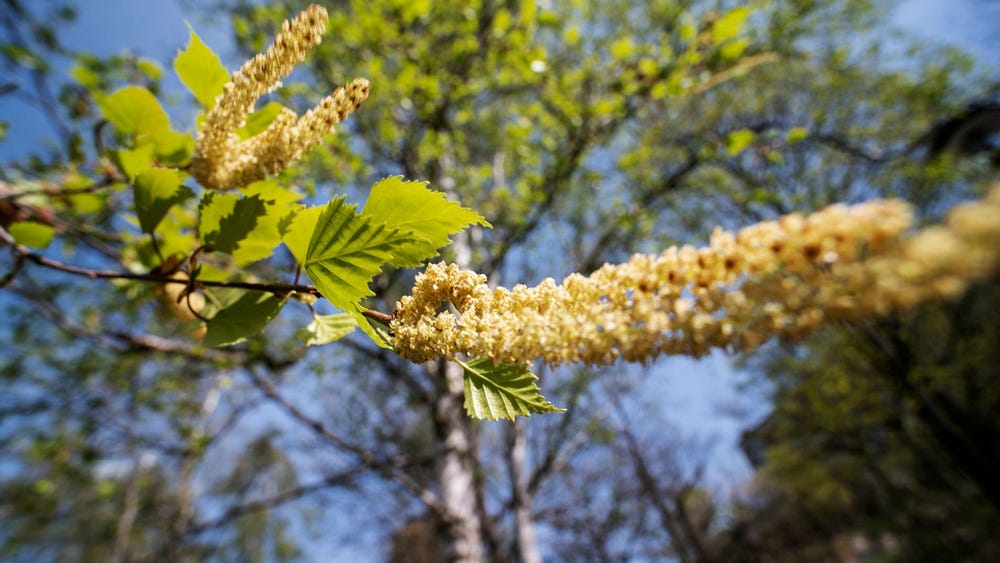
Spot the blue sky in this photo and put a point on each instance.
(698, 395)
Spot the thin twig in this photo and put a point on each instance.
(278, 289)
(387, 468)
(237, 511)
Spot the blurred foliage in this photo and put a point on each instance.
(886, 434)
(584, 132)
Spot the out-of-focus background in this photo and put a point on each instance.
(584, 132)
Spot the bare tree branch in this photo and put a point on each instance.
(388, 468)
(341, 479)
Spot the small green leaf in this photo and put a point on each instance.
(201, 71)
(796, 134)
(227, 219)
(622, 48)
(729, 25)
(156, 191)
(84, 76)
(87, 203)
(260, 242)
(134, 110)
(297, 229)
(737, 141)
(345, 253)
(135, 161)
(495, 392)
(32, 234)
(258, 121)
(269, 190)
(238, 314)
(733, 49)
(379, 333)
(326, 328)
(173, 148)
(423, 218)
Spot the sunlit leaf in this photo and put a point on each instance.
(796, 134)
(85, 76)
(729, 25)
(156, 191)
(260, 242)
(502, 392)
(737, 141)
(258, 121)
(378, 332)
(135, 161)
(32, 234)
(269, 190)
(346, 251)
(733, 49)
(134, 110)
(173, 148)
(423, 218)
(201, 71)
(227, 219)
(297, 229)
(622, 48)
(326, 328)
(238, 315)
(87, 203)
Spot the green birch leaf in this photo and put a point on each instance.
(156, 191)
(346, 251)
(737, 141)
(135, 161)
(271, 191)
(728, 26)
(173, 148)
(495, 392)
(238, 314)
(423, 218)
(258, 121)
(227, 219)
(260, 242)
(297, 229)
(201, 71)
(378, 332)
(134, 110)
(733, 49)
(326, 328)
(32, 234)
(796, 134)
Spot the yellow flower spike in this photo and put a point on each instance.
(221, 160)
(784, 278)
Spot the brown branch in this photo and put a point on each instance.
(278, 289)
(60, 192)
(388, 468)
(669, 503)
(379, 317)
(234, 512)
(113, 339)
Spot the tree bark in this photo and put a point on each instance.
(457, 473)
(458, 494)
(527, 542)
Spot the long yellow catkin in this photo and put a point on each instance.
(783, 278)
(221, 159)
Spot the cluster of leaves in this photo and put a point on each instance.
(213, 237)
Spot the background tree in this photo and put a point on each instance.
(583, 136)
